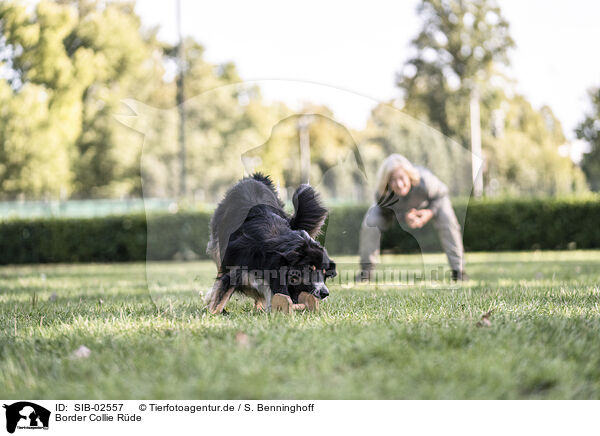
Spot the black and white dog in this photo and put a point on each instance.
(260, 250)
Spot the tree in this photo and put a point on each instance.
(68, 64)
(589, 131)
(522, 153)
(460, 46)
(129, 64)
(223, 119)
(463, 46)
(40, 98)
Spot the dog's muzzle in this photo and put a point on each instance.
(320, 291)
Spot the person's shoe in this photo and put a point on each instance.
(365, 275)
(459, 276)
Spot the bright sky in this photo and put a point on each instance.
(359, 46)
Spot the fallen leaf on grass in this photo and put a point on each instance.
(82, 352)
(485, 320)
(242, 339)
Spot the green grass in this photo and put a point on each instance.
(409, 341)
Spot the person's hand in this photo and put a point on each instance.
(411, 218)
(415, 219)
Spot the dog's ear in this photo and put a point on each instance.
(331, 270)
(310, 213)
(290, 257)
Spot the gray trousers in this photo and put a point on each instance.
(378, 219)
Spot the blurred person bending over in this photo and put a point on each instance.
(412, 195)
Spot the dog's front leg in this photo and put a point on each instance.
(259, 304)
(265, 291)
(220, 294)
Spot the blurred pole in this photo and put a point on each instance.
(476, 157)
(180, 106)
(303, 123)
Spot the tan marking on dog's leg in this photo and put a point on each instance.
(218, 308)
(259, 305)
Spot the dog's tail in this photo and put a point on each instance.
(268, 182)
(310, 214)
(263, 178)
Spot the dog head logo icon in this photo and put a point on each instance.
(26, 415)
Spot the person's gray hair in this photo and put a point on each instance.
(391, 164)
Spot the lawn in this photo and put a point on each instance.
(409, 341)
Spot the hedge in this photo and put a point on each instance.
(489, 226)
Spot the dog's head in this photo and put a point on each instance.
(307, 267)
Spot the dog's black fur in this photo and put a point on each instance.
(260, 250)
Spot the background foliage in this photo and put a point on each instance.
(463, 47)
(491, 225)
(66, 66)
(589, 131)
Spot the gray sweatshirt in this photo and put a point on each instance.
(426, 195)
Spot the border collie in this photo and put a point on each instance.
(261, 251)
